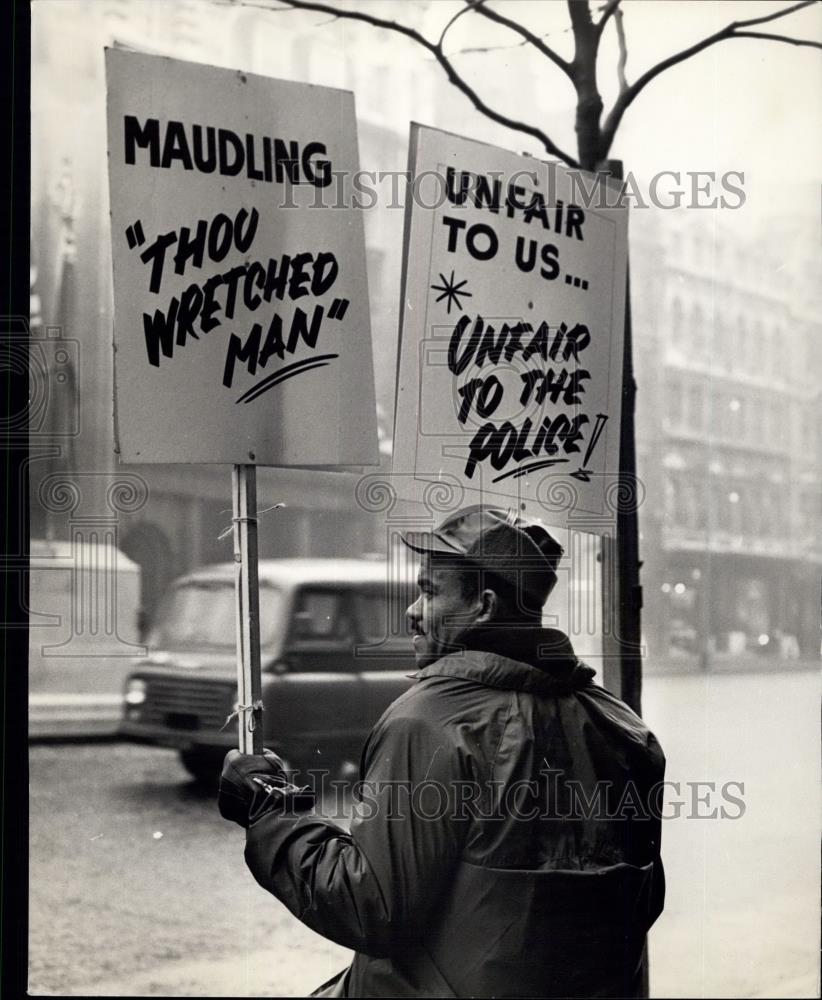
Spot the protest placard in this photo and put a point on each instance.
(241, 330)
(510, 367)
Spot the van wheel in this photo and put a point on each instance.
(203, 767)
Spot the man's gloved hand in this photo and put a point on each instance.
(252, 785)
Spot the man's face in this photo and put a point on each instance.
(440, 613)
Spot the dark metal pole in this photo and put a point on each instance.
(625, 592)
(630, 588)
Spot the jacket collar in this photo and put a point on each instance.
(524, 659)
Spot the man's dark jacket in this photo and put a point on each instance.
(507, 844)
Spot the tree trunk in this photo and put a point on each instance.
(584, 74)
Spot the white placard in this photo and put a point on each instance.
(242, 328)
(510, 365)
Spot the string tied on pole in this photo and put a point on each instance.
(256, 706)
(245, 520)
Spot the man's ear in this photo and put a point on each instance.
(488, 607)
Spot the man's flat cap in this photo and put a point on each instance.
(520, 551)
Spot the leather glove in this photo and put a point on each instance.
(252, 785)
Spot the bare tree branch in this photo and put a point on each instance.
(482, 49)
(532, 39)
(594, 139)
(623, 51)
(807, 42)
(772, 16)
(610, 8)
(732, 30)
(475, 49)
(456, 17)
(436, 51)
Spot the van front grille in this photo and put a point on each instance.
(188, 704)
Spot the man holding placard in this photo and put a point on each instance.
(506, 839)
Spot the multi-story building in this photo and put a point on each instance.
(728, 365)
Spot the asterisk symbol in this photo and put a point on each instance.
(450, 291)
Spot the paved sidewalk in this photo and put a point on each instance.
(294, 973)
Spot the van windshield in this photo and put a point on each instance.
(380, 615)
(201, 613)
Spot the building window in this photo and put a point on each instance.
(723, 346)
(675, 402)
(808, 435)
(811, 512)
(756, 347)
(776, 423)
(696, 408)
(755, 421)
(670, 500)
(767, 426)
(753, 512)
(769, 513)
(773, 348)
(737, 414)
(719, 506)
(741, 345)
(676, 322)
(791, 357)
(718, 405)
(736, 502)
(693, 507)
(698, 338)
(723, 514)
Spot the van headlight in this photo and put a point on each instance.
(135, 692)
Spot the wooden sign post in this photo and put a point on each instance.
(247, 596)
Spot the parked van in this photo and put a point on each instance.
(84, 601)
(334, 655)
